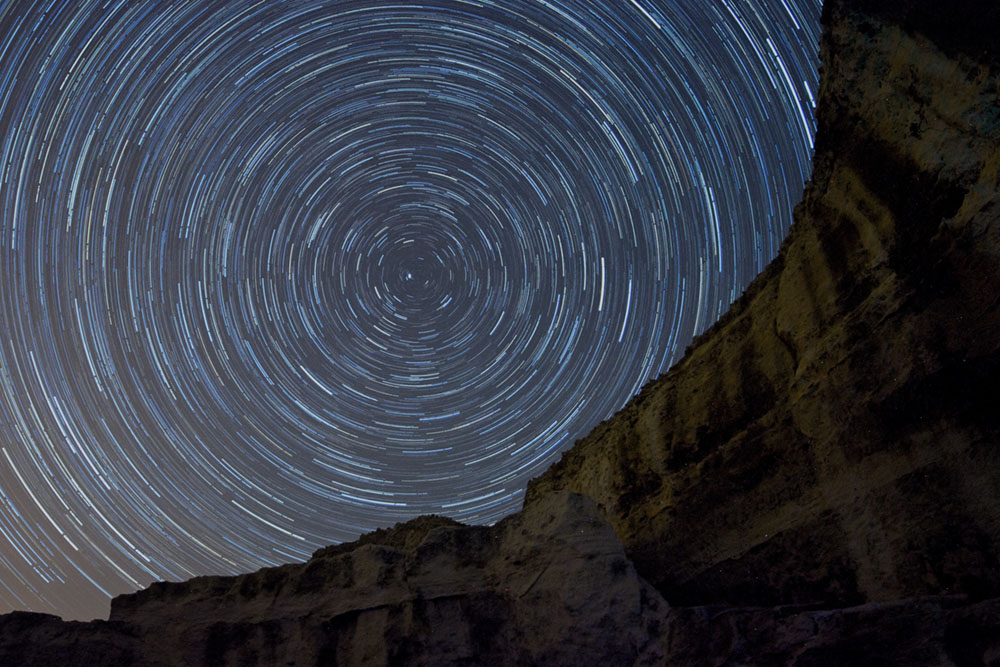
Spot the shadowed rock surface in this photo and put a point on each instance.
(430, 591)
(427, 592)
(841, 418)
(815, 483)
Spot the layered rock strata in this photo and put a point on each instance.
(429, 592)
(835, 437)
(548, 585)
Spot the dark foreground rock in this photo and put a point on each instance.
(480, 629)
(546, 586)
(815, 483)
(429, 592)
(918, 632)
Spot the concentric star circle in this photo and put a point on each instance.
(277, 273)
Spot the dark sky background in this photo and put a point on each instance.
(273, 274)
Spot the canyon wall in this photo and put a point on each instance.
(427, 592)
(834, 438)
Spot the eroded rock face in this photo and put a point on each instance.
(545, 586)
(834, 438)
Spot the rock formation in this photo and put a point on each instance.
(815, 483)
(840, 419)
(430, 591)
(427, 592)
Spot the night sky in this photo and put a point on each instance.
(273, 274)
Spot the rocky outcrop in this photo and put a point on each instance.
(430, 591)
(545, 586)
(813, 484)
(548, 586)
(834, 438)
(920, 632)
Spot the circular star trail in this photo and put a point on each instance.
(278, 273)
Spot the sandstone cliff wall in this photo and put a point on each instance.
(834, 438)
(550, 585)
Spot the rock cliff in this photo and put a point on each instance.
(841, 418)
(427, 592)
(813, 484)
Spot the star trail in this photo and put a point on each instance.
(273, 274)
